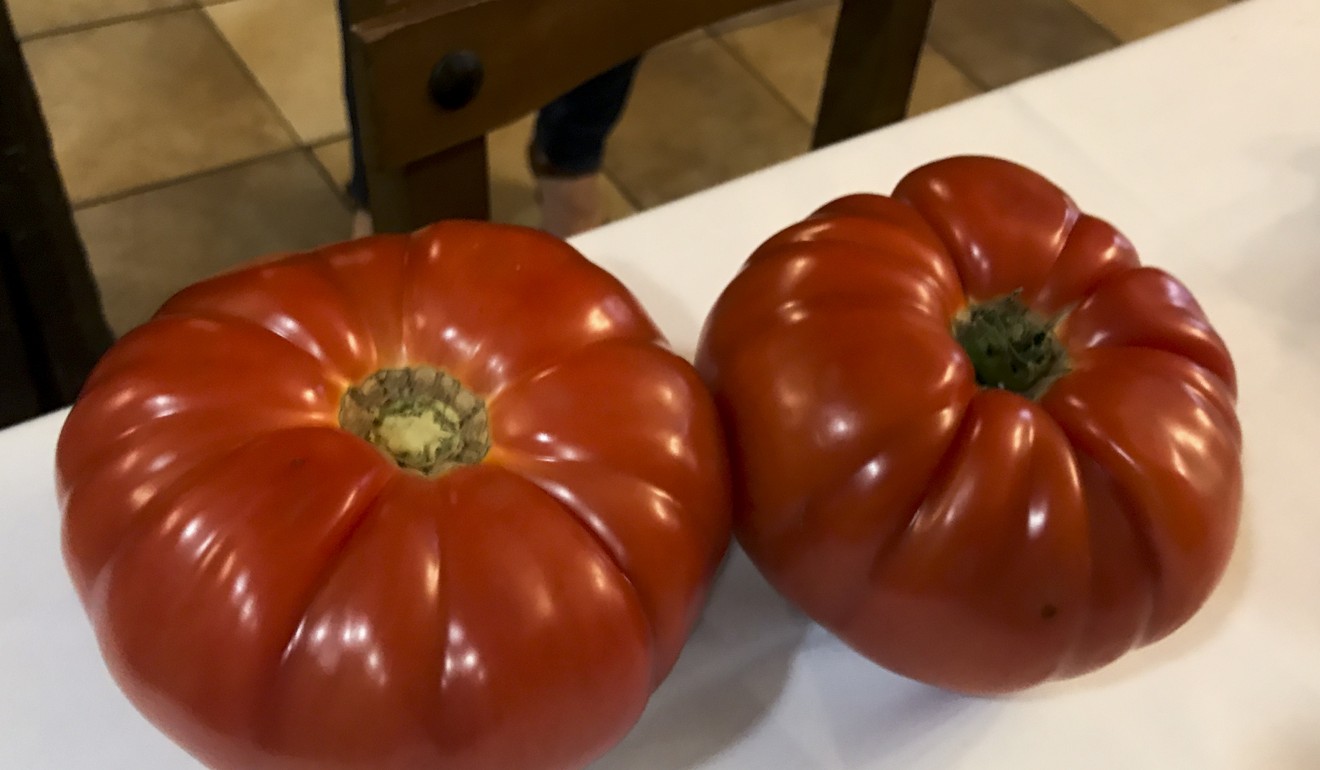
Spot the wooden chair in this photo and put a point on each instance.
(433, 77)
(52, 330)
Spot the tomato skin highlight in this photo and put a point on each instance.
(276, 593)
(974, 535)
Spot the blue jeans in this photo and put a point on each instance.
(570, 134)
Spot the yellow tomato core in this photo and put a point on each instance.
(422, 418)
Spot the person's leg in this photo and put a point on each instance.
(566, 151)
(357, 184)
(568, 146)
(571, 131)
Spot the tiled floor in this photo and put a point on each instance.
(198, 134)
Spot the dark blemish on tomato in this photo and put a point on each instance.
(1049, 611)
(297, 462)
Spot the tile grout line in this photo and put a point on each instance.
(94, 24)
(970, 74)
(299, 144)
(252, 77)
(770, 13)
(1111, 33)
(759, 77)
(326, 141)
(627, 195)
(340, 193)
(162, 184)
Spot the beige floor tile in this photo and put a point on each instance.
(337, 159)
(939, 83)
(513, 189)
(145, 247)
(790, 52)
(617, 206)
(1132, 19)
(32, 17)
(771, 13)
(146, 101)
(996, 43)
(698, 118)
(513, 192)
(293, 48)
(683, 38)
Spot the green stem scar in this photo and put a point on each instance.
(421, 418)
(1011, 347)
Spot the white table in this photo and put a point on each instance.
(1203, 144)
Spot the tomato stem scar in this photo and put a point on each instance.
(1011, 347)
(422, 418)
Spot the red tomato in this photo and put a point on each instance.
(971, 435)
(499, 582)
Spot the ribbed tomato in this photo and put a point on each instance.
(971, 434)
(439, 501)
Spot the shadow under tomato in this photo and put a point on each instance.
(1203, 627)
(672, 313)
(759, 685)
(902, 724)
(728, 678)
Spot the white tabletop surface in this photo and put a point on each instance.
(1203, 144)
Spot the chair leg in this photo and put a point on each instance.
(454, 184)
(872, 67)
(52, 330)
